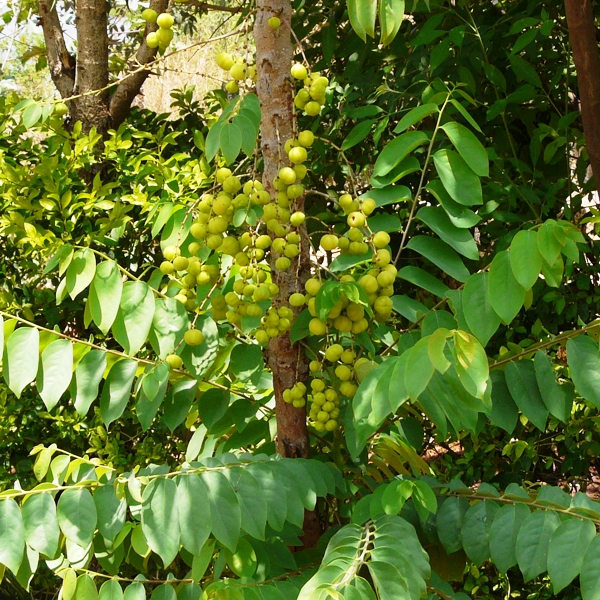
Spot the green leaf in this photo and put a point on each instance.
(41, 524)
(522, 383)
(160, 521)
(86, 588)
(77, 515)
(249, 133)
(410, 309)
(357, 134)
(164, 592)
(20, 361)
(12, 535)
(198, 359)
(525, 258)
(503, 535)
(117, 389)
(169, 324)
(419, 369)
(568, 546)
(213, 140)
(111, 590)
(471, 364)
(424, 280)
(69, 584)
(555, 397)
(504, 410)
(533, 541)
(475, 531)
(583, 356)
(194, 512)
(460, 182)
(135, 591)
(590, 571)
(506, 293)
(460, 239)
(277, 504)
(80, 272)
(391, 15)
(525, 71)
(212, 406)
(246, 361)
(460, 216)
(110, 510)
(416, 115)
(441, 255)
(88, 375)
(230, 140)
(105, 295)
(56, 372)
(549, 247)
(176, 406)
(449, 522)
(134, 318)
(151, 393)
(32, 114)
(469, 147)
(397, 150)
(362, 14)
(224, 509)
(253, 506)
(477, 306)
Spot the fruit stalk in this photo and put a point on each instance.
(275, 90)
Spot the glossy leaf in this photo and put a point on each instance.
(415, 115)
(555, 397)
(88, 376)
(525, 258)
(397, 150)
(111, 590)
(134, 318)
(460, 182)
(194, 512)
(56, 371)
(480, 316)
(533, 541)
(80, 272)
(590, 571)
(12, 535)
(105, 295)
(391, 15)
(441, 255)
(21, 359)
(117, 389)
(475, 531)
(41, 524)
(522, 383)
(110, 510)
(583, 355)
(469, 147)
(506, 293)
(224, 509)
(77, 515)
(503, 535)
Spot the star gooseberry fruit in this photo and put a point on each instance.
(165, 20)
(274, 22)
(149, 15)
(299, 71)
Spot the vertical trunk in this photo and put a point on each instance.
(582, 33)
(92, 109)
(275, 89)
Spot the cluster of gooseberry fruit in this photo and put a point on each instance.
(295, 395)
(161, 38)
(311, 97)
(239, 70)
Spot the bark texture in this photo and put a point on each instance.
(582, 32)
(275, 90)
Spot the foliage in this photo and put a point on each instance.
(468, 424)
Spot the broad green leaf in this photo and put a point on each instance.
(460, 182)
(471, 364)
(160, 521)
(449, 522)
(397, 150)
(358, 133)
(213, 141)
(80, 272)
(525, 71)
(460, 239)
(41, 524)
(69, 584)
(12, 535)
(549, 247)
(416, 115)
(391, 15)
(212, 406)
(410, 309)
(1, 338)
(111, 590)
(469, 147)
(583, 356)
(504, 410)
(503, 535)
(390, 583)
(477, 306)
(224, 509)
(424, 280)
(506, 293)
(441, 255)
(169, 324)
(362, 14)
(21, 359)
(151, 393)
(77, 515)
(164, 592)
(253, 506)
(56, 371)
(525, 258)
(246, 361)
(555, 397)
(134, 318)
(459, 215)
(32, 114)
(249, 132)
(522, 383)
(194, 512)
(533, 541)
(105, 295)
(475, 531)
(230, 141)
(277, 506)
(590, 571)
(419, 369)
(176, 405)
(86, 588)
(110, 510)
(568, 546)
(190, 591)
(117, 389)
(198, 359)
(88, 376)
(436, 347)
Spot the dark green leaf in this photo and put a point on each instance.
(117, 389)
(583, 355)
(477, 306)
(522, 383)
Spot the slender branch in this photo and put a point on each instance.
(215, 7)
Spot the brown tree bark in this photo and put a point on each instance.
(582, 32)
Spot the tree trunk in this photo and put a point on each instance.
(582, 33)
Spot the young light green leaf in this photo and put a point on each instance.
(88, 375)
(20, 361)
(362, 14)
(397, 150)
(469, 147)
(506, 293)
(525, 258)
(117, 389)
(160, 520)
(41, 524)
(77, 515)
(169, 324)
(503, 535)
(522, 383)
(80, 272)
(12, 535)
(194, 512)
(134, 318)
(86, 588)
(477, 306)
(391, 15)
(461, 183)
(533, 541)
(105, 295)
(583, 355)
(549, 247)
(56, 372)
